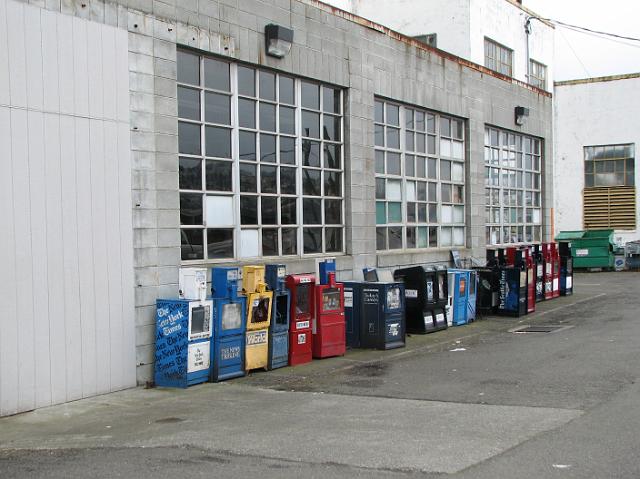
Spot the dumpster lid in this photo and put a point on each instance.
(569, 235)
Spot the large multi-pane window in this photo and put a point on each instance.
(609, 195)
(261, 162)
(537, 74)
(420, 177)
(498, 57)
(513, 179)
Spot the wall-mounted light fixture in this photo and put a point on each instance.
(522, 114)
(278, 40)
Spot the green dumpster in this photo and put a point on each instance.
(590, 248)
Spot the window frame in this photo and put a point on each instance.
(537, 74)
(494, 62)
(234, 192)
(590, 152)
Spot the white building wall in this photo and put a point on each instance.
(448, 18)
(591, 113)
(66, 242)
(504, 23)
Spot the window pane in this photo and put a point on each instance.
(286, 90)
(310, 96)
(409, 165)
(311, 182)
(219, 175)
(379, 111)
(188, 138)
(288, 181)
(217, 108)
(332, 186)
(248, 181)
(191, 209)
(311, 211)
(288, 211)
(393, 115)
(333, 240)
(191, 244)
(246, 113)
(249, 210)
(270, 242)
(267, 85)
(395, 212)
(218, 142)
(393, 163)
(395, 237)
(332, 212)
(287, 120)
(379, 135)
(188, 103)
(381, 212)
(380, 188)
(289, 241)
(188, 70)
(247, 145)
(331, 128)
(190, 173)
(379, 162)
(267, 117)
(246, 81)
(312, 240)
(267, 148)
(216, 74)
(219, 243)
(310, 124)
(393, 138)
(269, 210)
(287, 150)
(268, 180)
(381, 238)
(330, 100)
(310, 153)
(331, 156)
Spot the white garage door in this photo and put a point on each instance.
(66, 271)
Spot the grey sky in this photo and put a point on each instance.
(597, 57)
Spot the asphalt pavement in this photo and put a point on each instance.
(477, 401)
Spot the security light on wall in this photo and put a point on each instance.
(522, 114)
(278, 40)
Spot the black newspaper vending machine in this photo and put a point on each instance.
(424, 310)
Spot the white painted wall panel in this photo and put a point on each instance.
(66, 297)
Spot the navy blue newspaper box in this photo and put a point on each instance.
(352, 312)
(183, 342)
(279, 327)
(424, 307)
(512, 291)
(229, 314)
(382, 316)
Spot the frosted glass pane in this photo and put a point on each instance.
(411, 191)
(458, 236)
(249, 244)
(458, 214)
(447, 214)
(422, 237)
(219, 211)
(457, 172)
(445, 147)
(536, 217)
(394, 190)
(445, 237)
(457, 150)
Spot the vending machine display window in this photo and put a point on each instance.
(282, 313)
(260, 310)
(442, 291)
(394, 300)
(199, 321)
(303, 305)
(331, 299)
(231, 316)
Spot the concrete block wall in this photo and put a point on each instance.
(330, 46)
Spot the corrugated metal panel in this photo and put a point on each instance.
(610, 207)
(66, 297)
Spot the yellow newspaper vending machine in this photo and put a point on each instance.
(259, 302)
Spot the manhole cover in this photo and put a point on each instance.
(546, 328)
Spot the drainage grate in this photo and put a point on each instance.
(546, 328)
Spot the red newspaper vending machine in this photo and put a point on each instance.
(329, 333)
(548, 270)
(531, 279)
(302, 288)
(555, 258)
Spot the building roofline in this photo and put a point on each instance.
(581, 81)
(419, 45)
(533, 14)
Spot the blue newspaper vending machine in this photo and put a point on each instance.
(183, 342)
(229, 314)
(459, 296)
(279, 328)
(352, 314)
